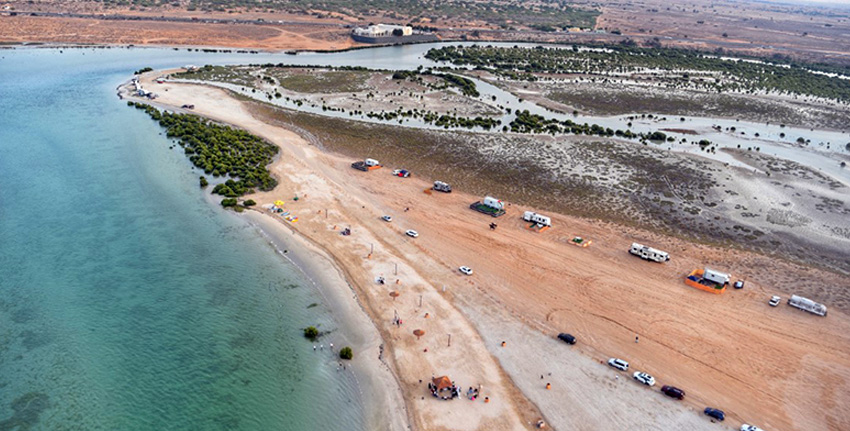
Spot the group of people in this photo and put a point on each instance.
(472, 394)
(454, 392)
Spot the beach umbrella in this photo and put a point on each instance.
(278, 203)
(418, 333)
(394, 294)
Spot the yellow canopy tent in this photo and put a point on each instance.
(278, 203)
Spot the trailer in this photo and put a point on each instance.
(537, 218)
(442, 187)
(716, 276)
(366, 165)
(648, 253)
(490, 206)
(807, 304)
(708, 280)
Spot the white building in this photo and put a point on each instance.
(383, 30)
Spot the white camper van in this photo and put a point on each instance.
(442, 187)
(493, 203)
(807, 304)
(537, 218)
(716, 276)
(649, 253)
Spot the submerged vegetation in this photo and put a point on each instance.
(346, 353)
(691, 68)
(311, 332)
(221, 151)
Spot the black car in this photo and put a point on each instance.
(672, 391)
(715, 413)
(567, 338)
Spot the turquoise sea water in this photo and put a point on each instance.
(128, 302)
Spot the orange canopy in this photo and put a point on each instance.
(442, 382)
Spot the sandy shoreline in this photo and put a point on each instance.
(375, 378)
(536, 286)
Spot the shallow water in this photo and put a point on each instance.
(127, 301)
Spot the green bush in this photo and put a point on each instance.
(346, 353)
(220, 151)
(311, 332)
(203, 181)
(249, 203)
(228, 202)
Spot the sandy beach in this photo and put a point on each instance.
(779, 368)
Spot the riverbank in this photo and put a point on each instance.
(529, 286)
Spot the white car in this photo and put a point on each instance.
(746, 427)
(644, 378)
(412, 233)
(466, 270)
(387, 218)
(774, 301)
(619, 364)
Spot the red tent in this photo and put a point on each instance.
(442, 382)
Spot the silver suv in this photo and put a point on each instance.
(619, 364)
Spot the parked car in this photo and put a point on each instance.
(673, 392)
(619, 364)
(387, 218)
(466, 270)
(715, 413)
(746, 427)
(774, 300)
(644, 378)
(739, 284)
(567, 338)
(412, 233)
(404, 173)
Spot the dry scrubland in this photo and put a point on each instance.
(22, 29)
(811, 32)
(349, 90)
(805, 31)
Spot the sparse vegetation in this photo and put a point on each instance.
(542, 13)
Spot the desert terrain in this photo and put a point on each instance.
(779, 368)
(812, 32)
